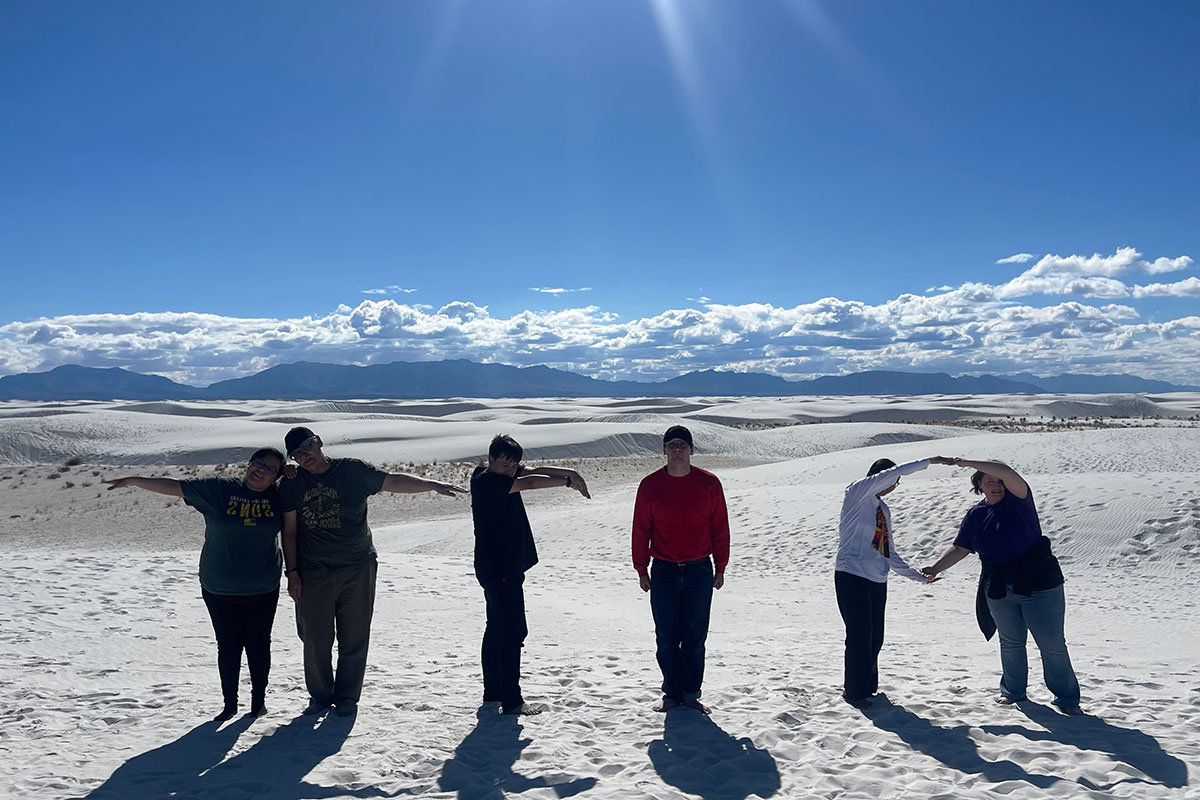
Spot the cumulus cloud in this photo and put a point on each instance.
(553, 290)
(975, 327)
(1019, 258)
(1086, 276)
(1189, 287)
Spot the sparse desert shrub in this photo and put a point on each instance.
(64, 468)
(74, 461)
(67, 484)
(53, 476)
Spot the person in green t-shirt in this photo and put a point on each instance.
(239, 566)
(331, 562)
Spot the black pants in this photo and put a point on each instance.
(502, 642)
(862, 603)
(242, 622)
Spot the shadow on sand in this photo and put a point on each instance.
(482, 766)
(697, 757)
(1139, 750)
(951, 746)
(273, 768)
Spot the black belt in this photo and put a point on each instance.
(682, 563)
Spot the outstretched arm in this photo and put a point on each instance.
(167, 486)
(403, 483)
(1013, 482)
(949, 558)
(548, 478)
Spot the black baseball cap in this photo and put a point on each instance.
(678, 432)
(296, 437)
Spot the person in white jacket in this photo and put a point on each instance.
(866, 553)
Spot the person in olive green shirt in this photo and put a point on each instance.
(331, 563)
(239, 566)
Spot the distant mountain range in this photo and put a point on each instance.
(460, 378)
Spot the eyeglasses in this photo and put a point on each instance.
(264, 466)
(305, 446)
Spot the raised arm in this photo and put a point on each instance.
(548, 478)
(1013, 482)
(403, 483)
(167, 486)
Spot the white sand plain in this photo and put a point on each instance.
(107, 663)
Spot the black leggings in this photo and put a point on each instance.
(242, 622)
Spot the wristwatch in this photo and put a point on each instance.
(568, 481)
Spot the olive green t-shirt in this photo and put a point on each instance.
(241, 535)
(331, 513)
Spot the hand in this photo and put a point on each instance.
(295, 587)
(644, 581)
(580, 485)
(943, 460)
(930, 575)
(448, 489)
(718, 580)
(289, 471)
(118, 483)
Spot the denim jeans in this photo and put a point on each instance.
(681, 600)
(1041, 614)
(503, 639)
(861, 603)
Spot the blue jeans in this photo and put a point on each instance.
(1041, 614)
(681, 599)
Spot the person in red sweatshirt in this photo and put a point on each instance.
(680, 519)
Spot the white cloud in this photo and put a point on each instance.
(975, 327)
(1189, 287)
(390, 289)
(553, 290)
(1019, 258)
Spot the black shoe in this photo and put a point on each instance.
(226, 713)
(316, 708)
(858, 702)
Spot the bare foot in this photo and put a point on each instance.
(1005, 701)
(666, 705)
(698, 706)
(1073, 711)
(525, 710)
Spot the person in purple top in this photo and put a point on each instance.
(1020, 586)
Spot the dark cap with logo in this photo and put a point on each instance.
(296, 437)
(678, 432)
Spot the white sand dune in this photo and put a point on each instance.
(107, 664)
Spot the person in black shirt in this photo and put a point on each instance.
(504, 551)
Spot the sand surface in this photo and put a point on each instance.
(107, 663)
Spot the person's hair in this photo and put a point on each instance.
(268, 451)
(977, 480)
(504, 446)
(880, 466)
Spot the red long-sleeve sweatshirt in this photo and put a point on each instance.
(680, 519)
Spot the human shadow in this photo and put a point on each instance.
(273, 768)
(1137, 749)
(163, 771)
(482, 765)
(951, 746)
(697, 757)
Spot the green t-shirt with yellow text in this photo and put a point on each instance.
(241, 535)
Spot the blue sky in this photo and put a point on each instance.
(626, 188)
